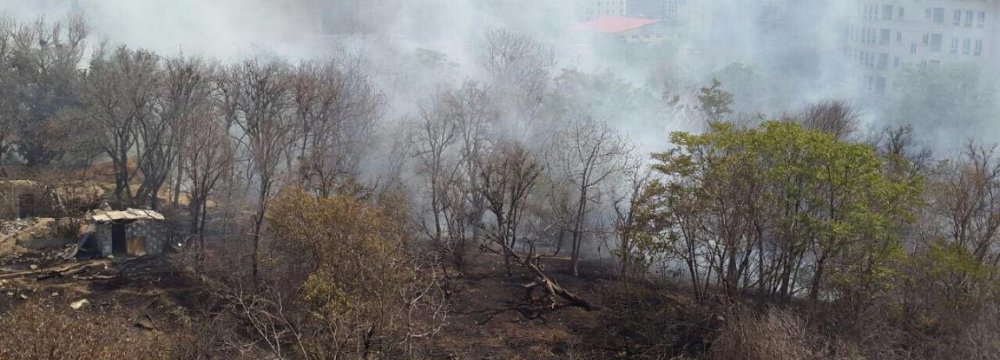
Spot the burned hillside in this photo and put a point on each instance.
(459, 179)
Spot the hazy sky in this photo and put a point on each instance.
(794, 49)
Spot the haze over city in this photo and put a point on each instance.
(500, 179)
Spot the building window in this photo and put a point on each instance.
(883, 61)
(954, 45)
(982, 20)
(939, 15)
(913, 48)
(884, 37)
(899, 36)
(968, 18)
(979, 47)
(936, 40)
(966, 46)
(927, 38)
(895, 62)
(928, 13)
(887, 12)
(900, 15)
(958, 18)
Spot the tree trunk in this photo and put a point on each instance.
(817, 279)
(258, 224)
(201, 227)
(577, 239)
(177, 182)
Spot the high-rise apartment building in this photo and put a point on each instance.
(666, 10)
(889, 35)
(593, 9)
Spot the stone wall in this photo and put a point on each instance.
(24, 197)
(103, 238)
(156, 233)
(47, 201)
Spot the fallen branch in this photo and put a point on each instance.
(96, 277)
(550, 285)
(65, 270)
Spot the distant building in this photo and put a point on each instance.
(628, 28)
(665, 10)
(593, 9)
(889, 35)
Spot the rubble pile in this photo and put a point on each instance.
(11, 227)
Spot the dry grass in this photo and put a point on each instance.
(769, 335)
(42, 331)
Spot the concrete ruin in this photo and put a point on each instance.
(20, 199)
(132, 232)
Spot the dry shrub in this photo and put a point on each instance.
(769, 335)
(646, 321)
(38, 331)
(980, 341)
(339, 281)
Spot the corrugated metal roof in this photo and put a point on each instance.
(128, 214)
(614, 24)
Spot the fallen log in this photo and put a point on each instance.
(549, 284)
(42, 274)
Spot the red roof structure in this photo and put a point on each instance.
(614, 24)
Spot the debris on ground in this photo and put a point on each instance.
(145, 322)
(76, 305)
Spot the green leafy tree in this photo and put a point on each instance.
(782, 209)
(715, 101)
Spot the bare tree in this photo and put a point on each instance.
(9, 110)
(438, 133)
(586, 155)
(508, 174)
(968, 196)
(453, 137)
(518, 66)
(189, 88)
(186, 86)
(835, 117)
(258, 102)
(337, 107)
(44, 63)
(475, 114)
(635, 222)
(206, 156)
(122, 93)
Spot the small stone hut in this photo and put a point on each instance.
(132, 232)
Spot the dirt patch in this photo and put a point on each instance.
(492, 317)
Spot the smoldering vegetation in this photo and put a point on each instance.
(501, 187)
